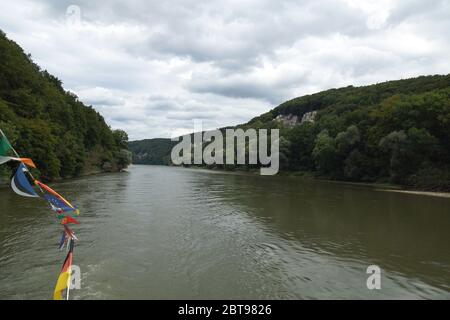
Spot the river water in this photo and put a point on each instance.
(172, 233)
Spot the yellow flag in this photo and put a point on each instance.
(62, 284)
(65, 275)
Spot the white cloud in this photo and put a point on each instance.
(150, 67)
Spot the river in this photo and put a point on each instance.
(171, 233)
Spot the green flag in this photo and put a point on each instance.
(5, 146)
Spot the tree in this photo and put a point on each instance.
(395, 145)
(124, 158)
(324, 153)
(121, 138)
(302, 138)
(284, 153)
(354, 165)
(408, 151)
(346, 141)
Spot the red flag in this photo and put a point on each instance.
(68, 219)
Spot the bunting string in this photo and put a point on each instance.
(24, 184)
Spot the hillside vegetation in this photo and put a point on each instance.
(151, 151)
(64, 137)
(397, 132)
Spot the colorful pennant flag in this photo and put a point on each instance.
(67, 219)
(20, 183)
(5, 146)
(53, 192)
(57, 204)
(27, 161)
(64, 278)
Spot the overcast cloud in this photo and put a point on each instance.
(150, 67)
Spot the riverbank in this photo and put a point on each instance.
(377, 186)
(385, 187)
(422, 193)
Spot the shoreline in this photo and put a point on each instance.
(419, 193)
(377, 186)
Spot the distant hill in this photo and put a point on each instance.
(151, 151)
(64, 137)
(396, 131)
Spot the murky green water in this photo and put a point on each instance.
(172, 233)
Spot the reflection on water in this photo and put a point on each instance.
(172, 233)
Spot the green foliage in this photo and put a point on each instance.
(354, 166)
(124, 158)
(120, 138)
(302, 138)
(285, 153)
(48, 124)
(10, 131)
(325, 153)
(408, 152)
(346, 141)
(152, 151)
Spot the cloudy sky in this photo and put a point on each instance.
(151, 67)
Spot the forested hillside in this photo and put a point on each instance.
(397, 131)
(151, 151)
(64, 137)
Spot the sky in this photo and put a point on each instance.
(152, 67)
